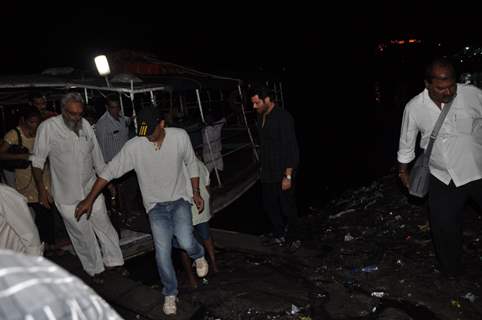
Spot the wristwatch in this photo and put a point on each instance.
(287, 176)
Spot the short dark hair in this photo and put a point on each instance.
(112, 98)
(148, 119)
(30, 112)
(439, 62)
(262, 93)
(35, 95)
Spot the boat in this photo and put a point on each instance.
(186, 95)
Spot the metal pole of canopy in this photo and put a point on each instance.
(134, 116)
(107, 81)
(276, 92)
(171, 103)
(4, 127)
(246, 123)
(200, 106)
(121, 104)
(181, 104)
(221, 96)
(209, 98)
(207, 138)
(281, 94)
(86, 96)
(153, 98)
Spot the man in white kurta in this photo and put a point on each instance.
(18, 231)
(69, 142)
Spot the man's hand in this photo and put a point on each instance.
(84, 207)
(404, 178)
(285, 184)
(199, 202)
(45, 198)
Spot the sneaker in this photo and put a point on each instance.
(202, 267)
(169, 306)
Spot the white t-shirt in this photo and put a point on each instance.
(160, 172)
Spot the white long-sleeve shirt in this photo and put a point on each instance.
(18, 231)
(74, 160)
(160, 172)
(457, 152)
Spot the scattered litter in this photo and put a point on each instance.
(470, 296)
(455, 304)
(399, 262)
(422, 242)
(368, 269)
(374, 309)
(339, 214)
(205, 281)
(294, 309)
(424, 227)
(348, 237)
(378, 294)
(398, 217)
(408, 237)
(138, 316)
(402, 226)
(409, 294)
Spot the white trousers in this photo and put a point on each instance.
(83, 234)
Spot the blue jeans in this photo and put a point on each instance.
(168, 219)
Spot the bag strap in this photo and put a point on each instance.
(19, 136)
(436, 129)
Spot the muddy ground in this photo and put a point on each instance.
(366, 255)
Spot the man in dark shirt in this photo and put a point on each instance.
(279, 158)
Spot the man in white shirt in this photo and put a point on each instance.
(34, 288)
(456, 160)
(69, 143)
(158, 157)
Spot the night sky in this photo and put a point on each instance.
(232, 37)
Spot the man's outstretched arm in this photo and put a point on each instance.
(85, 206)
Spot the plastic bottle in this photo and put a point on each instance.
(369, 269)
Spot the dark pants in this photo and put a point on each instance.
(45, 221)
(281, 208)
(446, 220)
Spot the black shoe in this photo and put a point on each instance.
(98, 278)
(119, 269)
